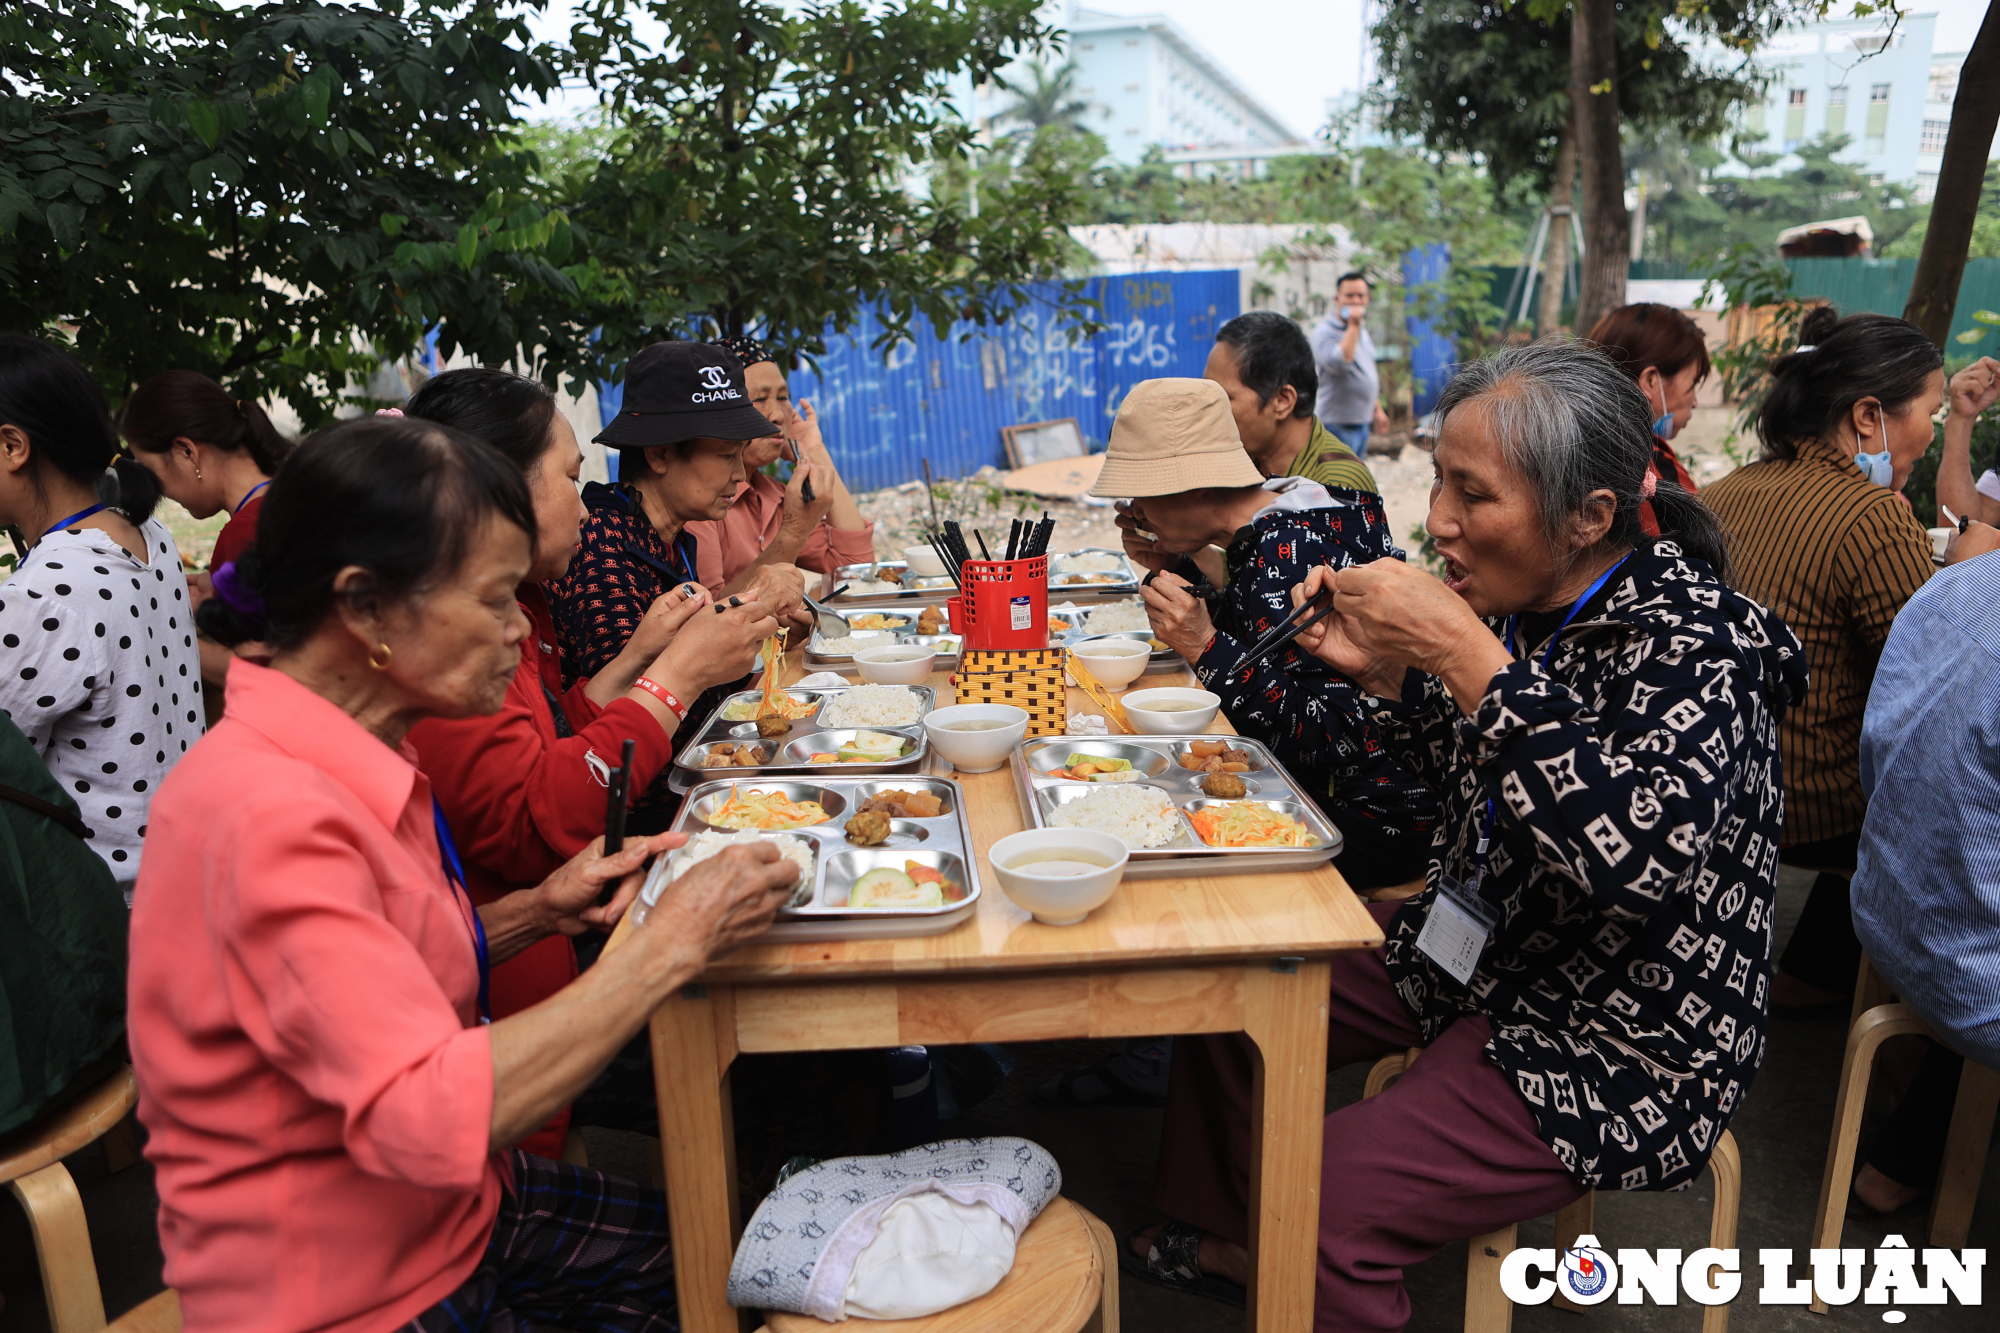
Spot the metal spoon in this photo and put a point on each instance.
(832, 624)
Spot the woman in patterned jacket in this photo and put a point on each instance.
(1598, 715)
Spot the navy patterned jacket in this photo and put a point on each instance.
(1639, 803)
(1291, 701)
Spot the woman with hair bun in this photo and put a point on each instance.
(1662, 351)
(101, 672)
(211, 452)
(1819, 534)
(332, 1125)
(1597, 713)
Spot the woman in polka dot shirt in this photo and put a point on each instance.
(98, 665)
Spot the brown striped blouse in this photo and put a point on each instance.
(1836, 556)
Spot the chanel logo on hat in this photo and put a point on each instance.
(678, 391)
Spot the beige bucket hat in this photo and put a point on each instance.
(1170, 436)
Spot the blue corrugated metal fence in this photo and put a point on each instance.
(946, 400)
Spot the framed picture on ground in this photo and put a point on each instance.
(1040, 441)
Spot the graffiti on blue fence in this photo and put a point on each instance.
(946, 400)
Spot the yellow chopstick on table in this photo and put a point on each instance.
(1099, 695)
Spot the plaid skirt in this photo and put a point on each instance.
(572, 1247)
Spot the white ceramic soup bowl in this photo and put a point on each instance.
(895, 664)
(1142, 708)
(1068, 895)
(923, 560)
(1115, 662)
(979, 751)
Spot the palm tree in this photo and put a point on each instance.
(1049, 100)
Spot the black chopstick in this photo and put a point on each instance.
(1283, 627)
(983, 552)
(615, 803)
(1284, 639)
(1013, 536)
(1203, 591)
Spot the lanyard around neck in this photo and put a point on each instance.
(77, 517)
(1574, 607)
(238, 506)
(455, 872)
(1492, 813)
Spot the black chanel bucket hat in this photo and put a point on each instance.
(677, 391)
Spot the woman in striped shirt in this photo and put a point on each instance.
(1819, 533)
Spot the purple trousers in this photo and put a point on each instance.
(1447, 1153)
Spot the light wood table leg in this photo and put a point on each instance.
(1285, 1015)
(690, 1076)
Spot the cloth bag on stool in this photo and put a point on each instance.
(894, 1237)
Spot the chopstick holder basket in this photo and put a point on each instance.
(1005, 604)
(1030, 679)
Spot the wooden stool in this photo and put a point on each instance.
(1965, 1144)
(1064, 1279)
(31, 1165)
(1487, 1309)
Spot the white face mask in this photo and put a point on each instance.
(1876, 467)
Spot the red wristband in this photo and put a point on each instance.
(664, 695)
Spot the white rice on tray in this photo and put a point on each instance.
(870, 587)
(1091, 562)
(1141, 816)
(706, 844)
(876, 638)
(873, 706)
(1115, 616)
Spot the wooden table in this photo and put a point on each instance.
(1234, 953)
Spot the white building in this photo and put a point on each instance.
(1147, 82)
(1874, 80)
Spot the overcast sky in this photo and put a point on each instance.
(1294, 54)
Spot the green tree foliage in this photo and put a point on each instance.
(766, 167)
(1738, 200)
(1046, 97)
(276, 196)
(1985, 226)
(1491, 77)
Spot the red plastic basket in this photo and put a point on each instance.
(1004, 603)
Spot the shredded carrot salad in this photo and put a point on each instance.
(765, 810)
(1248, 824)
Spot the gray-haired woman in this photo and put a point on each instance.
(1587, 969)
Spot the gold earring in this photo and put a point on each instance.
(197, 473)
(383, 649)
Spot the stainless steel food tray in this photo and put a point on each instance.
(943, 842)
(1096, 581)
(946, 643)
(788, 752)
(1158, 758)
(937, 587)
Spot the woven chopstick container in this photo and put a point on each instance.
(1028, 678)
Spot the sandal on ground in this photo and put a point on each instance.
(1094, 1085)
(1174, 1262)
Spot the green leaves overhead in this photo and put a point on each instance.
(287, 195)
(267, 195)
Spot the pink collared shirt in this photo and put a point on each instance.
(727, 546)
(302, 1008)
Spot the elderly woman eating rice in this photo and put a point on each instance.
(1598, 714)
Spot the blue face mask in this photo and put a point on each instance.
(1876, 467)
(1664, 425)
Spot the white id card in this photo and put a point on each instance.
(1456, 930)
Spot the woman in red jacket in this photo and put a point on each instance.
(525, 787)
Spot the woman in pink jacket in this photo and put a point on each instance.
(771, 522)
(331, 1120)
